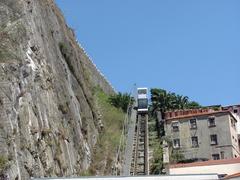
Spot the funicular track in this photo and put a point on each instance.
(140, 164)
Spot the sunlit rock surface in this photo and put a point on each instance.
(48, 118)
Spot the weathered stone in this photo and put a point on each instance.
(46, 88)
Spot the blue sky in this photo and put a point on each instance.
(185, 46)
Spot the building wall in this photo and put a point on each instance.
(235, 114)
(222, 129)
(219, 169)
(234, 137)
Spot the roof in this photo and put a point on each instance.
(217, 105)
(230, 106)
(207, 163)
(232, 176)
(192, 113)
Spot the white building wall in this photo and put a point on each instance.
(219, 169)
(174, 177)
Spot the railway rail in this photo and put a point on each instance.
(140, 163)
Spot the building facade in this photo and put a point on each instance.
(235, 109)
(203, 133)
(220, 167)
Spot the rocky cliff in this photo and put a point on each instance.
(49, 121)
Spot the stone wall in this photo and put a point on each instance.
(48, 118)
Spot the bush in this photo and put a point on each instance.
(109, 138)
(176, 156)
(3, 162)
(157, 163)
(122, 101)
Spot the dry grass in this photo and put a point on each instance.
(109, 138)
(3, 162)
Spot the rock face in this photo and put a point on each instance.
(48, 118)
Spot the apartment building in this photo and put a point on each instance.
(235, 109)
(203, 133)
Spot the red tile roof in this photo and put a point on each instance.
(191, 113)
(232, 176)
(207, 163)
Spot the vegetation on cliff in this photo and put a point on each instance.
(108, 141)
(121, 100)
(156, 160)
(163, 101)
(3, 163)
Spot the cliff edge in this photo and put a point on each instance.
(49, 121)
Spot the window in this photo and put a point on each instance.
(175, 126)
(176, 143)
(142, 91)
(213, 138)
(194, 141)
(235, 111)
(222, 154)
(142, 103)
(215, 156)
(233, 123)
(193, 123)
(211, 122)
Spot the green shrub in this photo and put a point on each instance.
(109, 138)
(157, 163)
(3, 162)
(121, 100)
(176, 156)
(86, 173)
